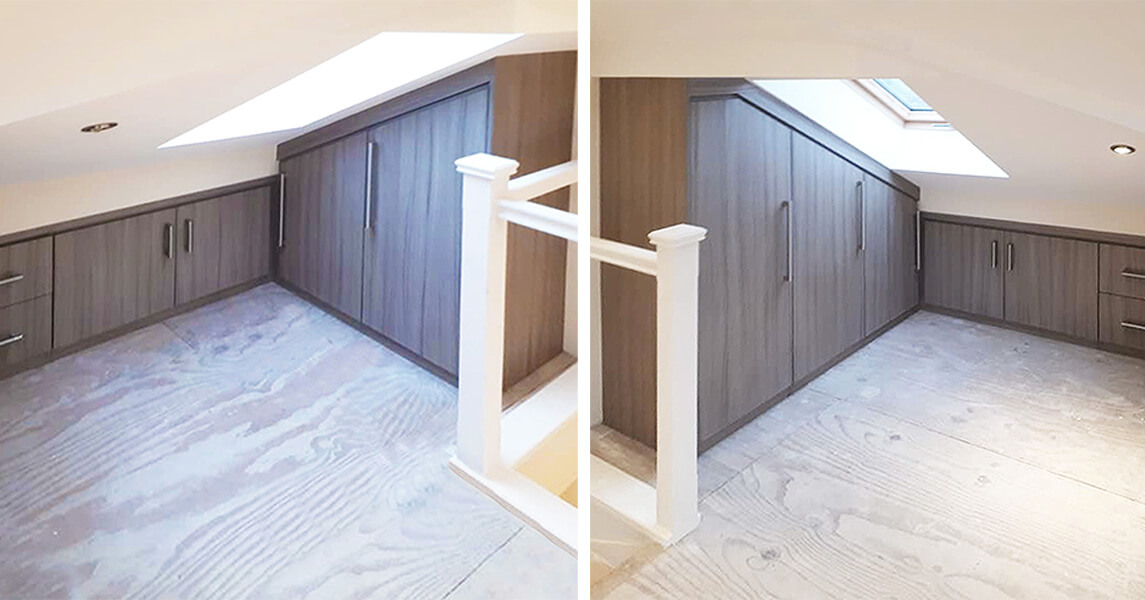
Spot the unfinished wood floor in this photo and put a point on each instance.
(253, 448)
(947, 459)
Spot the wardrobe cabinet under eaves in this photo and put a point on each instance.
(371, 214)
(811, 246)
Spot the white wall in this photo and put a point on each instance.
(33, 204)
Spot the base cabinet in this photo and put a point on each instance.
(223, 242)
(963, 268)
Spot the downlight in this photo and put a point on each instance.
(1122, 149)
(99, 127)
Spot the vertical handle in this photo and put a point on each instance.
(169, 240)
(189, 225)
(790, 236)
(994, 254)
(369, 184)
(862, 217)
(1010, 256)
(917, 241)
(281, 210)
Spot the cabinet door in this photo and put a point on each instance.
(1051, 284)
(224, 242)
(740, 191)
(828, 260)
(891, 284)
(110, 275)
(323, 218)
(413, 244)
(962, 268)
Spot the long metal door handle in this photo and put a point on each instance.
(369, 184)
(917, 241)
(1133, 326)
(1010, 256)
(281, 210)
(12, 339)
(190, 225)
(12, 279)
(169, 238)
(1125, 273)
(994, 254)
(787, 207)
(862, 218)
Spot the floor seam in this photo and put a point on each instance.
(487, 558)
(178, 335)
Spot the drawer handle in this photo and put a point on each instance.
(1133, 326)
(12, 339)
(1132, 275)
(12, 279)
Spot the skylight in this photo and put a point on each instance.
(380, 64)
(905, 96)
(844, 107)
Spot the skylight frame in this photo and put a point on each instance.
(895, 109)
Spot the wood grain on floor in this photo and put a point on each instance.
(253, 448)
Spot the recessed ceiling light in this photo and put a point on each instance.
(99, 127)
(1122, 149)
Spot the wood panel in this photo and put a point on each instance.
(891, 284)
(33, 261)
(32, 320)
(1122, 270)
(532, 111)
(413, 247)
(324, 219)
(110, 275)
(227, 244)
(740, 179)
(643, 187)
(1121, 320)
(1051, 283)
(828, 262)
(963, 268)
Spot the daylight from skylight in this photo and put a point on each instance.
(389, 60)
(906, 96)
(843, 109)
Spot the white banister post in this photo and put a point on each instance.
(677, 368)
(482, 340)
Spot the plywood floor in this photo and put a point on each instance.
(947, 459)
(253, 448)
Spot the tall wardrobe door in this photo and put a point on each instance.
(891, 278)
(323, 220)
(740, 184)
(828, 261)
(413, 246)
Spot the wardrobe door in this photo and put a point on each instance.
(828, 257)
(413, 242)
(324, 212)
(740, 190)
(891, 280)
(1052, 284)
(963, 268)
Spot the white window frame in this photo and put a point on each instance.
(884, 100)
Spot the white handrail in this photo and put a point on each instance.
(535, 185)
(552, 221)
(623, 255)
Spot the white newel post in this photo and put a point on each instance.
(677, 367)
(481, 352)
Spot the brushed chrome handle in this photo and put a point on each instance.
(790, 237)
(12, 339)
(1133, 326)
(862, 217)
(1010, 256)
(917, 241)
(994, 254)
(281, 210)
(169, 238)
(12, 279)
(369, 184)
(1125, 273)
(190, 226)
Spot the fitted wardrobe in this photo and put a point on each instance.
(812, 247)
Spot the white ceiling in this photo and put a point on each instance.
(160, 68)
(1042, 87)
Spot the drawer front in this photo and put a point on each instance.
(25, 331)
(1123, 270)
(1123, 321)
(25, 271)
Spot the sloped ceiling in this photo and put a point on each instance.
(161, 67)
(1043, 88)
